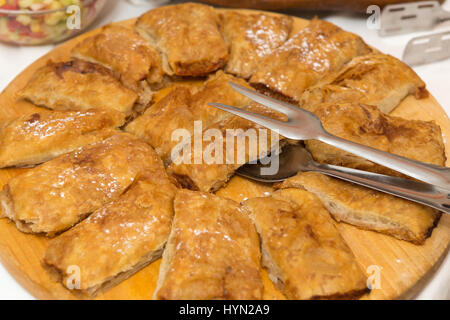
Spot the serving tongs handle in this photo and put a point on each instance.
(444, 15)
(304, 125)
(419, 192)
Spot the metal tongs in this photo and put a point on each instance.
(418, 16)
(427, 49)
(304, 125)
(411, 17)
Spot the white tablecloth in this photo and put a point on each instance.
(437, 77)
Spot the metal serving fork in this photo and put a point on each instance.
(295, 158)
(304, 125)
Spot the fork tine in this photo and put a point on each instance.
(274, 125)
(269, 102)
(252, 116)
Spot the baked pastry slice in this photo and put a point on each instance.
(302, 249)
(367, 208)
(319, 48)
(180, 108)
(251, 37)
(159, 122)
(58, 194)
(375, 79)
(231, 144)
(42, 136)
(187, 37)
(217, 89)
(212, 251)
(129, 234)
(128, 55)
(78, 85)
(414, 139)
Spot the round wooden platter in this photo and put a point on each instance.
(404, 267)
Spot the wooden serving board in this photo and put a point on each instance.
(401, 264)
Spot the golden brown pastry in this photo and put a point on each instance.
(375, 79)
(302, 249)
(187, 36)
(129, 233)
(305, 58)
(234, 142)
(160, 121)
(251, 37)
(212, 251)
(217, 89)
(128, 55)
(42, 136)
(181, 107)
(57, 194)
(414, 139)
(78, 85)
(367, 208)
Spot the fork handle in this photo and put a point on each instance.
(420, 192)
(432, 174)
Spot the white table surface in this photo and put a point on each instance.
(437, 77)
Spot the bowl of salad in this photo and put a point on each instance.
(34, 22)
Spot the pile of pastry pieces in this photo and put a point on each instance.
(105, 187)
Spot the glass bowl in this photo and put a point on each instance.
(45, 21)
